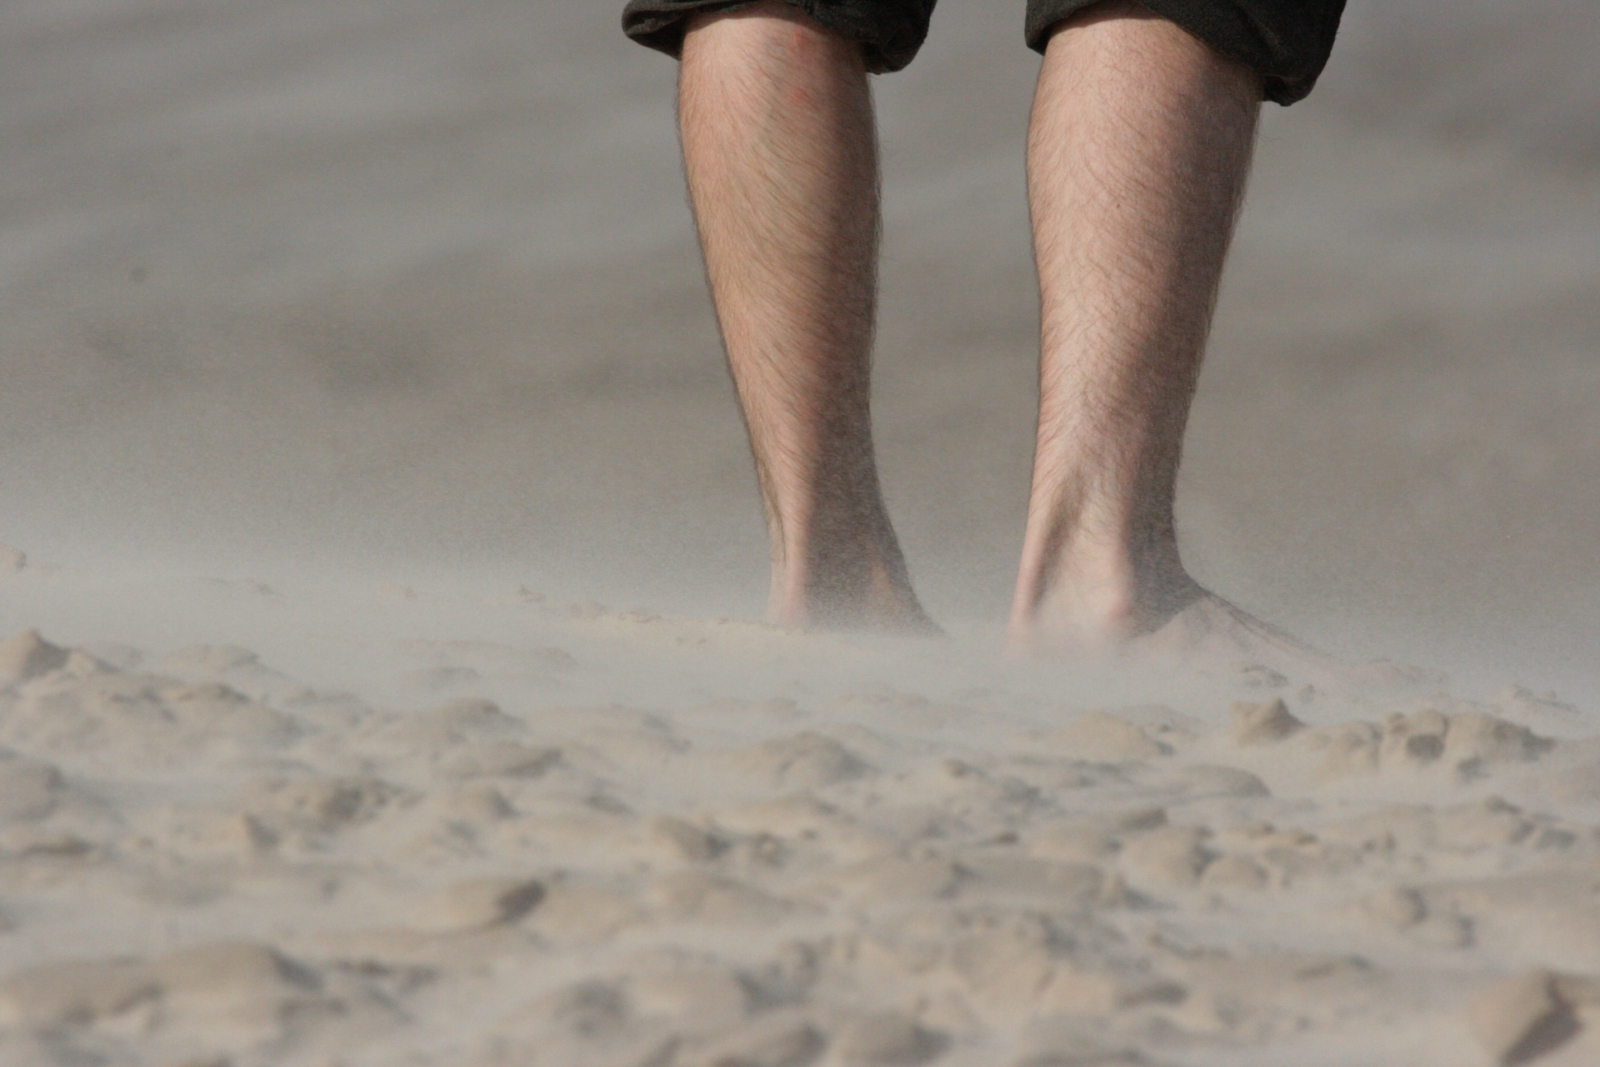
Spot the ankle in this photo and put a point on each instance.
(1100, 597)
(861, 583)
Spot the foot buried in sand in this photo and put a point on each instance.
(1211, 630)
(1178, 621)
(879, 599)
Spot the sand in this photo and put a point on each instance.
(380, 679)
(499, 828)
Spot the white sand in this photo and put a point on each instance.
(353, 349)
(499, 829)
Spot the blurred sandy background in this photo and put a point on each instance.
(398, 286)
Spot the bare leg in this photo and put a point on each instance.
(781, 156)
(1137, 155)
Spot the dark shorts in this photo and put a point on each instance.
(1285, 41)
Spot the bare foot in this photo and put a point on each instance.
(1211, 630)
(1168, 616)
(1097, 602)
(880, 610)
(849, 591)
(1204, 629)
(894, 615)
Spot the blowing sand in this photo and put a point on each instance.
(355, 349)
(535, 832)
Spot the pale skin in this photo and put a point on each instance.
(1138, 149)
